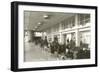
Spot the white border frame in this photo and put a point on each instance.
(22, 64)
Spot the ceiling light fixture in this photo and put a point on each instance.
(36, 27)
(39, 23)
(45, 16)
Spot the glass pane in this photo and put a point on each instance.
(87, 16)
(87, 21)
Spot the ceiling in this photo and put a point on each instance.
(32, 18)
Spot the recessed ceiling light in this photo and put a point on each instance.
(39, 23)
(46, 16)
(36, 27)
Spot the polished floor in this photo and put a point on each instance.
(36, 53)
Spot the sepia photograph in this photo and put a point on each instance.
(52, 36)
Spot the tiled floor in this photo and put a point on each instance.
(36, 53)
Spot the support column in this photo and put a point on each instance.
(29, 35)
(61, 38)
(52, 35)
(61, 35)
(77, 31)
(77, 38)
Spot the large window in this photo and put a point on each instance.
(68, 23)
(85, 37)
(71, 22)
(38, 34)
(84, 19)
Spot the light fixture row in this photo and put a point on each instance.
(41, 23)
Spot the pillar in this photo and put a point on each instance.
(61, 35)
(77, 37)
